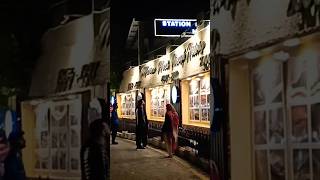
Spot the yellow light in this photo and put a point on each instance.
(198, 79)
(201, 75)
(189, 79)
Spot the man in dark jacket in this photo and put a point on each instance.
(94, 157)
(114, 123)
(141, 125)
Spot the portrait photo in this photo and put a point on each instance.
(299, 119)
(260, 128)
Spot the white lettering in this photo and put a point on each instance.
(178, 23)
(164, 23)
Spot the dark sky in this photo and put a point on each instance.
(122, 13)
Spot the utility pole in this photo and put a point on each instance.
(140, 42)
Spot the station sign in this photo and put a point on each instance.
(175, 27)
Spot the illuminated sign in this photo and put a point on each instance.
(175, 27)
(174, 94)
(112, 101)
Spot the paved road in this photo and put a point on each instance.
(127, 163)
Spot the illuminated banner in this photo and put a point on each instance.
(174, 27)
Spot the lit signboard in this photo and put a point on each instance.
(175, 27)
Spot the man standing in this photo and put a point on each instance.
(141, 125)
(114, 122)
(95, 164)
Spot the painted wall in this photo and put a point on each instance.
(129, 76)
(255, 23)
(82, 41)
(240, 121)
(29, 123)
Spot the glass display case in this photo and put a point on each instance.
(128, 104)
(199, 99)
(160, 96)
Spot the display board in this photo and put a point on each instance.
(128, 104)
(58, 137)
(199, 99)
(160, 97)
(286, 116)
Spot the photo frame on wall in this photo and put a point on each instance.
(259, 94)
(299, 120)
(297, 73)
(260, 133)
(315, 122)
(301, 164)
(276, 126)
(269, 119)
(261, 165)
(277, 165)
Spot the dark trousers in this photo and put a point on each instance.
(114, 132)
(141, 135)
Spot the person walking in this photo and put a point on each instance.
(170, 129)
(114, 123)
(95, 164)
(141, 125)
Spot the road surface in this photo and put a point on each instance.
(127, 163)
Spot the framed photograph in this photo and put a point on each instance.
(259, 96)
(261, 165)
(316, 163)
(315, 122)
(191, 101)
(299, 116)
(277, 165)
(44, 159)
(62, 139)
(62, 158)
(75, 139)
(194, 87)
(44, 136)
(203, 100)
(298, 74)
(196, 114)
(260, 129)
(301, 165)
(162, 103)
(63, 121)
(205, 84)
(191, 114)
(37, 160)
(54, 122)
(276, 126)
(297, 77)
(74, 160)
(204, 115)
(54, 139)
(277, 75)
(315, 81)
(196, 101)
(74, 120)
(54, 160)
(161, 112)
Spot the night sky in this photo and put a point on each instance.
(27, 21)
(122, 13)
